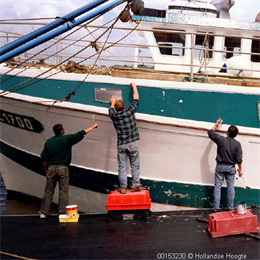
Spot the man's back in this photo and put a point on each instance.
(57, 149)
(125, 123)
(229, 150)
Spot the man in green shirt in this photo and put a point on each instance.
(56, 157)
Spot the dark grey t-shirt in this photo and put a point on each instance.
(229, 150)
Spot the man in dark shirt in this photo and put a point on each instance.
(229, 153)
(56, 157)
(127, 140)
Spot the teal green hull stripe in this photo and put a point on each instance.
(199, 196)
(236, 109)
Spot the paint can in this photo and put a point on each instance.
(241, 207)
(72, 211)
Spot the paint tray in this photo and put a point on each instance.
(66, 218)
(128, 201)
(231, 223)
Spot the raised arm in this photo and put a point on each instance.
(135, 91)
(218, 123)
(113, 101)
(87, 130)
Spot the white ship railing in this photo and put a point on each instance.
(110, 58)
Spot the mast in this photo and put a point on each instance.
(62, 20)
(32, 40)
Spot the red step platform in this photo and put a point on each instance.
(230, 223)
(130, 200)
(129, 206)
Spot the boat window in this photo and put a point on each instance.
(104, 94)
(203, 44)
(256, 50)
(232, 44)
(154, 12)
(171, 43)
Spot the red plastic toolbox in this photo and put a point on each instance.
(128, 201)
(230, 223)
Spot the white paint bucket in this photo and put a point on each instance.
(241, 208)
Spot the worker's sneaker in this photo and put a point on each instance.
(122, 190)
(216, 210)
(42, 215)
(137, 187)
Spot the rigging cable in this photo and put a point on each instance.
(32, 65)
(15, 88)
(5, 91)
(92, 44)
(51, 46)
(99, 53)
(61, 63)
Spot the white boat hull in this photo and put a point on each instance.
(170, 154)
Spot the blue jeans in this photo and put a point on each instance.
(131, 151)
(224, 171)
(56, 174)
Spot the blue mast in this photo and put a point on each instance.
(49, 27)
(31, 42)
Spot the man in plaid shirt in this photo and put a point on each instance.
(127, 140)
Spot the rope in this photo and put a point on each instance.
(73, 92)
(204, 60)
(15, 87)
(99, 53)
(91, 33)
(93, 45)
(52, 54)
(242, 75)
(47, 71)
(27, 81)
(16, 256)
(27, 19)
(28, 67)
(45, 59)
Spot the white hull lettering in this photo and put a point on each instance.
(21, 121)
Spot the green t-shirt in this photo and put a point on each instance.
(57, 149)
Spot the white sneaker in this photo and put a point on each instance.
(42, 215)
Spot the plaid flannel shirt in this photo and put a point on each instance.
(125, 123)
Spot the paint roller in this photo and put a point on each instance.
(247, 187)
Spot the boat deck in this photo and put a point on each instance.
(169, 235)
(219, 78)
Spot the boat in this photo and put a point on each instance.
(192, 64)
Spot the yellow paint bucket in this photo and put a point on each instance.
(72, 211)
